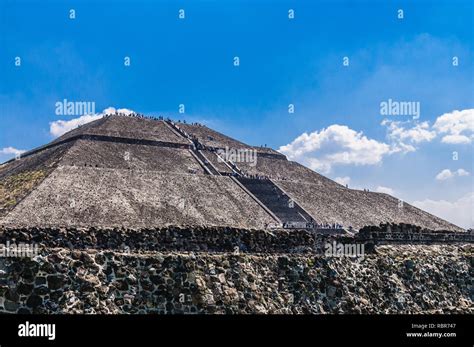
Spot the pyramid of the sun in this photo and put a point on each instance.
(135, 172)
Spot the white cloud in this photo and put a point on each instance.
(444, 175)
(402, 147)
(59, 127)
(419, 133)
(455, 127)
(335, 145)
(458, 126)
(343, 180)
(7, 153)
(111, 110)
(462, 172)
(456, 139)
(459, 212)
(386, 190)
(447, 174)
(11, 150)
(340, 145)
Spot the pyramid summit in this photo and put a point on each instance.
(132, 171)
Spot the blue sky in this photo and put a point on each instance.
(282, 61)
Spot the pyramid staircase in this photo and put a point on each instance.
(276, 200)
(270, 196)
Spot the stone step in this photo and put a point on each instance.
(286, 209)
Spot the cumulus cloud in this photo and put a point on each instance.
(386, 190)
(398, 132)
(459, 212)
(112, 110)
(444, 175)
(335, 145)
(447, 174)
(341, 145)
(462, 172)
(457, 126)
(400, 147)
(59, 127)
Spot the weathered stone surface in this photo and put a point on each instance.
(55, 281)
(11, 306)
(204, 239)
(34, 301)
(139, 173)
(127, 221)
(24, 288)
(156, 282)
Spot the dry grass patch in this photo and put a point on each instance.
(14, 188)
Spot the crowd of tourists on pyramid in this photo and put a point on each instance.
(142, 116)
(312, 225)
(134, 115)
(262, 176)
(195, 140)
(255, 176)
(328, 226)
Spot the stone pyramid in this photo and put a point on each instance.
(136, 172)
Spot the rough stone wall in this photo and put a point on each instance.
(358, 208)
(395, 279)
(128, 127)
(19, 177)
(100, 197)
(212, 138)
(282, 169)
(199, 239)
(113, 155)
